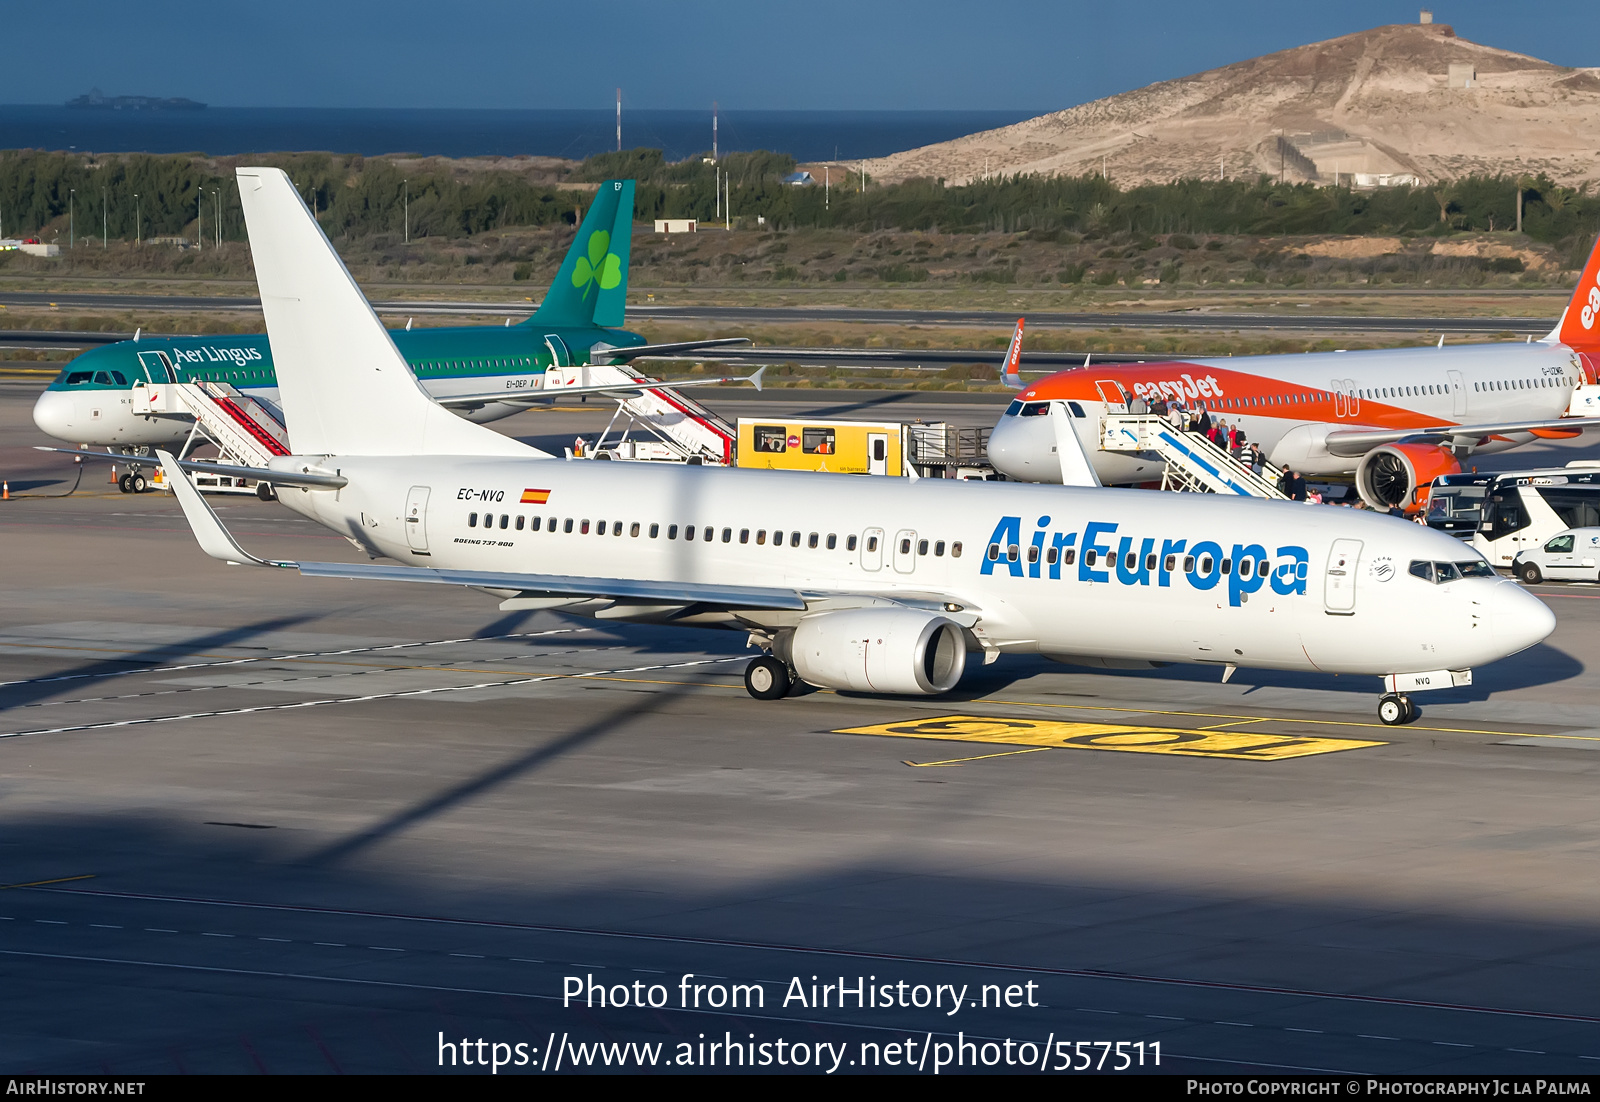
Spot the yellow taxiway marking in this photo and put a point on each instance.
(42, 883)
(1051, 734)
(1258, 719)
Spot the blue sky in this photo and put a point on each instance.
(805, 54)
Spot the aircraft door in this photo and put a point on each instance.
(417, 518)
(1112, 394)
(872, 549)
(1339, 594)
(905, 551)
(157, 368)
(559, 356)
(877, 453)
(1458, 394)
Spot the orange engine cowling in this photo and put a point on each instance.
(1399, 474)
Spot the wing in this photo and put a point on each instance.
(631, 389)
(1353, 442)
(754, 605)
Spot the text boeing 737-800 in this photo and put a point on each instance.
(864, 584)
(482, 372)
(1394, 419)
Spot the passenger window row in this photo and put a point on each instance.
(1069, 556)
(703, 533)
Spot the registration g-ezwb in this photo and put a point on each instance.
(851, 583)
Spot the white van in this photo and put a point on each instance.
(1572, 555)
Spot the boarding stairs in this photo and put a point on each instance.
(656, 424)
(247, 431)
(1193, 463)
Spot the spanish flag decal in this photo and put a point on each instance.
(535, 497)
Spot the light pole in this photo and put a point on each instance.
(216, 194)
(72, 218)
(137, 241)
(407, 183)
(199, 219)
(105, 221)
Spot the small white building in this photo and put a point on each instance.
(800, 179)
(40, 250)
(677, 225)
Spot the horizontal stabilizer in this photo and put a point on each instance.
(633, 351)
(307, 476)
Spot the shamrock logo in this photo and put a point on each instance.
(601, 265)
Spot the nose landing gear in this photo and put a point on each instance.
(1395, 709)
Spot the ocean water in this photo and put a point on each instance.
(224, 131)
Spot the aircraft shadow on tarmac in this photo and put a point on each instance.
(47, 685)
(297, 1008)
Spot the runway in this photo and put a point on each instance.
(256, 822)
(1204, 320)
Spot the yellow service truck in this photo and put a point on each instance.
(863, 447)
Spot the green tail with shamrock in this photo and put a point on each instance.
(592, 286)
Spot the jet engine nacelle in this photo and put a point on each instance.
(1392, 474)
(879, 650)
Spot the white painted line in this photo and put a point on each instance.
(403, 694)
(275, 657)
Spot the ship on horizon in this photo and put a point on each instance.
(98, 99)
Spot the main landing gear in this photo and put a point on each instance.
(133, 482)
(766, 678)
(1396, 709)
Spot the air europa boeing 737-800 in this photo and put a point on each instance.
(865, 584)
(1395, 419)
(482, 372)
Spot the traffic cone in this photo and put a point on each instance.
(5, 490)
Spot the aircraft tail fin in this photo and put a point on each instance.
(592, 286)
(344, 387)
(1580, 325)
(1011, 374)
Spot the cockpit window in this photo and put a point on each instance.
(1036, 409)
(103, 378)
(1441, 572)
(77, 378)
(122, 380)
(1013, 409)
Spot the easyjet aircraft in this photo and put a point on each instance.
(1394, 419)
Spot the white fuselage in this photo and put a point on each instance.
(968, 545)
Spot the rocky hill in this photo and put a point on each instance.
(1370, 108)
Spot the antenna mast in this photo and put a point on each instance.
(619, 120)
(713, 130)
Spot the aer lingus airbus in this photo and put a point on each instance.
(853, 583)
(482, 372)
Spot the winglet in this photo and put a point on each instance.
(755, 380)
(1010, 374)
(214, 539)
(1580, 325)
(1076, 468)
